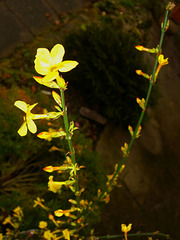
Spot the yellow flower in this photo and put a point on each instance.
(28, 118)
(18, 212)
(125, 229)
(51, 168)
(42, 224)
(162, 61)
(141, 48)
(150, 50)
(39, 202)
(66, 234)
(1, 236)
(53, 185)
(49, 235)
(7, 220)
(60, 212)
(49, 63)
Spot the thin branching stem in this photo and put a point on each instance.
(149, 234)
(142, 112)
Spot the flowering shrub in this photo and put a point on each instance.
(72, 222)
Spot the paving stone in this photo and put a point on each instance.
(12, 32)
(22, 20)
(67, 5)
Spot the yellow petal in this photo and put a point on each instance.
(42, 224)
(45, 135)
(66, 66)
(66, 234)
(42, 61)
(161, 60)
(21, 105)
(50, 84)
(31, 126)
(57, 54)
(50, 77)
(44, 56)
(41, 67)
(23, 130)
(40, 116)
(59, 213)
(32, 106)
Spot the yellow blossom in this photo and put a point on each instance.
(18, 212)
(49, 63)
(1, 236)
(141, 102)
(51, 217)
(49, 235)
(66, 234)
(67, 213)
(162, 61)
(7, 220)
(141, 48)
(28, 118)
(84, 203)
(139, 72)
(150, 50)
(54, 186)
(39, 202)
(51, 134)
(125, 229)
(9, 232)
(42, 224)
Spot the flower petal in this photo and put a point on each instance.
(57, 54)
(50, 77)
(40, 67)
(32, 106)
(31, 126)
(50, 84)
(21, 105)
(23, 129)
(40, 116)
(66, 66)
(43, 55)
(42, 61)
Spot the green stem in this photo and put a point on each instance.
(68, 138)
(142, 112)
(136, 234)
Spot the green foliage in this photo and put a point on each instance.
(107, 5)
(108, 61)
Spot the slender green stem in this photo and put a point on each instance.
(68, 137)
(66, 124)
(142, 112)
(136, 234)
